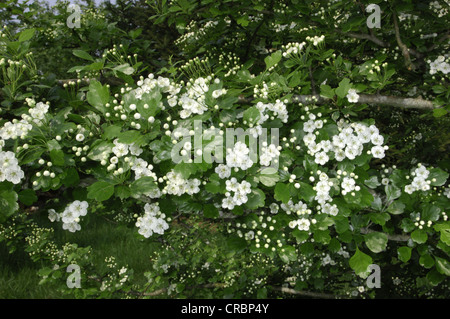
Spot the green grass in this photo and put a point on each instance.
(18, 274)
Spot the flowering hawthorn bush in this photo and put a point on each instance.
(309, 209)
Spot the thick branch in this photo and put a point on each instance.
(365, 36)
(375, 99)
(306, 293)
(402, 46)
(390, 237)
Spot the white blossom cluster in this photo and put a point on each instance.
(349, 143)
(300, 208)
(352, 96)
(440, 10)
(301, 224)
(268, 154)
(121, 149)
(15, 129)
(420, 182)
(293, 48)
(141, 168)
(239, 156)
(19, 129)
(38, 113)
(9, 168)
(316, 39)
(439, 65)
(278, 108)
(322, 189)
(193, 101)
(70, 216)
(150, 83)
(177, 185)
(152, 221)
(241, 190)
(349, 185)
(223, 171)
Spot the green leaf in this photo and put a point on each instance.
(8, 203)
(419, 236)
(98, 148)
(122, 191)
(322, 236)
(326, 91)
(443, 266)
(125, 68)
(27, 197)
(273, 59)
(430, 212)
(343, 88)
(236, 244)
(256, 199)
(287, 254)
(210, 211)
(57, 157)
(360, 262)
(396, 208)
(439, 112)
(282, 192)
(100, 191)
(404, 253)
(426, 261)
(98, 96)
(435, 277)
(376, 241)
(142, 185)
(269, 176)
(306, 192)
(437, 177)
(372, 182)
(444, 229)
(26, 35)
(82, 54)
(392, 192)
(129, 137)
(251, 115)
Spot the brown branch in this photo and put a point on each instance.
(375, 99)
(405, 51)
(365, 36)
(395, 237)
(164, 290)
(306, 293)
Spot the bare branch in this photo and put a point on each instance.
(306, 293)
(365, 36)
(374, 99)
(402, 46)
(390, 237)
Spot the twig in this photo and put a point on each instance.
(306, 293)
(365, 36)
(376, 99)
(389, 236)
(402, 46)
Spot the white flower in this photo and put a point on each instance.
(79, 137)
(378, 151)
(53, 215)
(352, 96)
(303, 224)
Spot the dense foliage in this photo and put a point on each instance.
(126, 121)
